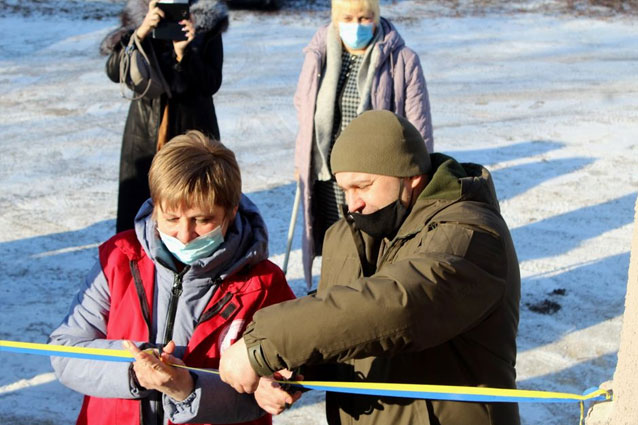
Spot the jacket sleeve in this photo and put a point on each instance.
(85, 326)
(307, 76)
(212, 401)
(305, 120)
(113, 61)
(200, 70)
(419, 301)
(417, 101)
(305, 99)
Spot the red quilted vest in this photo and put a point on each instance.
(235, 302)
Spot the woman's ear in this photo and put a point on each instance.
(228, 220)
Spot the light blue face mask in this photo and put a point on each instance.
(356, 36)
(200, 247)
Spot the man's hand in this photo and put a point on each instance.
(235, 368)
(272, 397)
(156, 373)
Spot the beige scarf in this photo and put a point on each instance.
(326, 97)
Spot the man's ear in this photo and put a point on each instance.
(416, 184)
(414, 181)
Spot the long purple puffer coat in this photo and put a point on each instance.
(398, 85)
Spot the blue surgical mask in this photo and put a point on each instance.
(356, 36)
(200, 247)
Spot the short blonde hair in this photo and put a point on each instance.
(192, 170)
(367, 5)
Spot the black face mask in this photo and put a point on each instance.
(383, 223)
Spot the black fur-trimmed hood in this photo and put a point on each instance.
(208, 16)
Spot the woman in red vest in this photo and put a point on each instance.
(188, 279)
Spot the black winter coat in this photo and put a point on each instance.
(193, 82)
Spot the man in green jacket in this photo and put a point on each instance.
(419, 284)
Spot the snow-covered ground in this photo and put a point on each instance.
(547, 102)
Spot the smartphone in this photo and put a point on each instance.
(169, 28)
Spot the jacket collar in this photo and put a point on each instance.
(391, 40)
(450, 182)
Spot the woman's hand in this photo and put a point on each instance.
(180, 46)
(152, 18)
(155, 373)
(235, 368)
(272, 397)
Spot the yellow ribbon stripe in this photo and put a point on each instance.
(66, 351)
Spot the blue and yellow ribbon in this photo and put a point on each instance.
(415, 391)
(105, 354)
(451, 393)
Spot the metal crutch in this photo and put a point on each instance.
(291, 228)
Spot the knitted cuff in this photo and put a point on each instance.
(256, 355)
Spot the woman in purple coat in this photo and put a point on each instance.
(356, 63)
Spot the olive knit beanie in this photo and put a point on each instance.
(380, 142)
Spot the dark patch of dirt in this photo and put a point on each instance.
(546, 306)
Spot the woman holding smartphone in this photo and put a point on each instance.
(192, 69)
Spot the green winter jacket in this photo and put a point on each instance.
(441, 307)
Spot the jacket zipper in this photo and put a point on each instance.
(176, 292)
